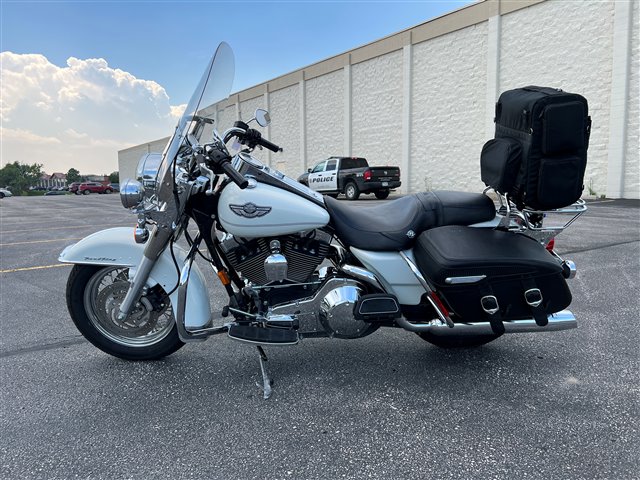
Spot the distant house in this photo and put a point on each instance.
(56, 179)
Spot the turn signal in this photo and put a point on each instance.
(224, 277)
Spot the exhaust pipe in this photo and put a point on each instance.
(563, 320)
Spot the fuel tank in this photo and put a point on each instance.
(265, 211)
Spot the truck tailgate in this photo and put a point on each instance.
(385, 174)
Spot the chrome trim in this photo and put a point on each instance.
(362, 274)
(571, 266)
(489, 304)
(462, 280)
(423, 281)
(563, 320)
(135, 288)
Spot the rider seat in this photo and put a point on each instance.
(395, 225)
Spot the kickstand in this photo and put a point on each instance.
(266, 381)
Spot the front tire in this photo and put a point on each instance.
(86, 192)
(351, 191)
(456, 341)
(94, 294)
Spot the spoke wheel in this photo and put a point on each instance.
(94, 296)
(456, 341)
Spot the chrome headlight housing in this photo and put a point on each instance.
(131, 193)
(141, 192)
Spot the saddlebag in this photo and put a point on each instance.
(492, 274)
(539, 154)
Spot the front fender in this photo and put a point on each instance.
(116, 246)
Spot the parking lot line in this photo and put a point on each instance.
(24, 269)
(67, 228)
(40, 241)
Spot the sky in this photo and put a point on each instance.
(84, 79)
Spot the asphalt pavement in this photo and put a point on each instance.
(560, 405)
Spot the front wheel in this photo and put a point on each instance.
(457, 341)
(86, 192)
(94, 295)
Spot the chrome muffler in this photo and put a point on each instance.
(563, 320)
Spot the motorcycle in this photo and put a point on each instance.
(450, 266)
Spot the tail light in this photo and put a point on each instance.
(551, 245)
(367, 175)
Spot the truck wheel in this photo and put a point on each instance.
(381, 194)
(351, 191)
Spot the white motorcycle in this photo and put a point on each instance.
(448, 266)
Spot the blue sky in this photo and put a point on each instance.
(165, 44)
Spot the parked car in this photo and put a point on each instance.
(73, 188)
(115, 186)
(55, 192)
(86, 188)
(5, 193)
(351, 176)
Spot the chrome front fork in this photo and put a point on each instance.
(155, 246)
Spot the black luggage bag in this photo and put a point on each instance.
(468, 266)
(539, 154)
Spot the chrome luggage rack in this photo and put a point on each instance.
(543, 225)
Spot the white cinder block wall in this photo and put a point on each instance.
(424, 98)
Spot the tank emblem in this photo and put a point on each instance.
(249, 210)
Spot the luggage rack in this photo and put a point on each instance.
(532, 222)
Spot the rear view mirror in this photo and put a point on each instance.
(262, 117)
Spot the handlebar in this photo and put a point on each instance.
(271, 146)
(235, 176)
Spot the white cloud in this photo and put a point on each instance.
(78, 115)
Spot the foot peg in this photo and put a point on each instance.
(263, 336)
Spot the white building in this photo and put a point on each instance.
(424, 98)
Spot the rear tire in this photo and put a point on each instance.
(108, 190)
(381, 194)
(86, 192)
(456, 341)
(94, 294)
(351, 191)
(1, 195)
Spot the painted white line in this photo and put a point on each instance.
(40, 241)
(24, 269)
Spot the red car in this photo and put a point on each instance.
(73, 188)
(94, 187)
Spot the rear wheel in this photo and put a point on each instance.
(457, 341)
(86, 192)
(381, 194)
(108, 190)
(351, 191)
(94, 295)
(1, 195)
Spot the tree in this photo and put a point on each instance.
(114, 177)
(19, 177)
(73, 175)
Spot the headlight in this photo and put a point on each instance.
(131, 193)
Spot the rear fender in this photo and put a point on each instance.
(116, 246)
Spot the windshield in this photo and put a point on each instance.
(214, 86)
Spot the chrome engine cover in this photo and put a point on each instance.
(329, 310)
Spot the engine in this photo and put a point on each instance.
(291, 258)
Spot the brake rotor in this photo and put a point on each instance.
(142, 319)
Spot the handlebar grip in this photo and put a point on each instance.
(271, 146)
(235, 176)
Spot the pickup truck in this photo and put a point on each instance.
(351, 176)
